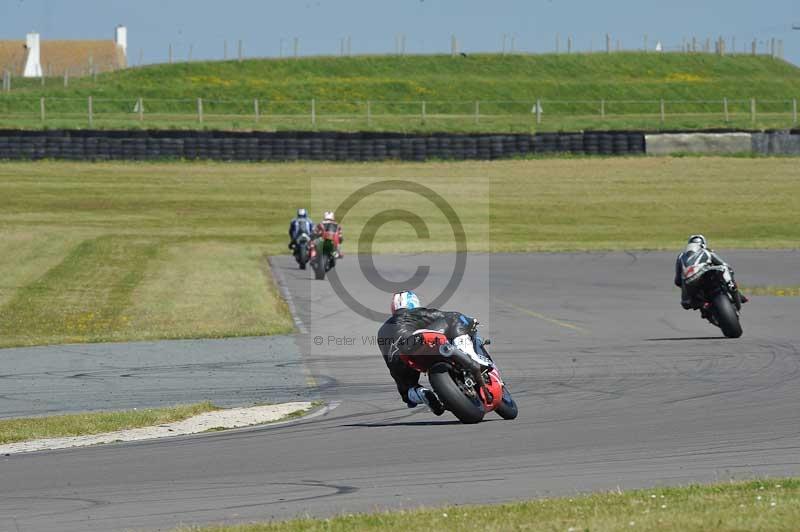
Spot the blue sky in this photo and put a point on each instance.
(373, 24)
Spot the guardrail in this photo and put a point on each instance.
(422, 115)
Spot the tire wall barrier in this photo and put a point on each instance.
(99, 145)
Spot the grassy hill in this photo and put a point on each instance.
(570, 87)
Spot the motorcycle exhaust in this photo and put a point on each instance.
(466, 361)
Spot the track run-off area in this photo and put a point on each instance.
(617, 386)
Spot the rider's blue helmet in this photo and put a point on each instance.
(406, 299)
(302, 213)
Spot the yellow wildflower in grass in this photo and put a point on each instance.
(683, 77)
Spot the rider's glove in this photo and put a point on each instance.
(468, 324)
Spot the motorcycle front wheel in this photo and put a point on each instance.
(507, 409)
(467, 409)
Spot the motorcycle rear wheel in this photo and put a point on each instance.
(726, 316)
(319, 267)
(468, 410)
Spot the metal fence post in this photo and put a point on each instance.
(200, 110)
(41, 108)
(538, 111)
(90, 111)
(255, 109)
(423, 111)
(313, 112)
(662, 111)
(369, 113)
(725, 108)
(753, 110)
(141, 110)
(794, 111)
(477, 112)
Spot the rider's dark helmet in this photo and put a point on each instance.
(697, 239)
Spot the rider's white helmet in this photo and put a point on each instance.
(697, 239)
(302, 213)
(328, 216)
(406, 299)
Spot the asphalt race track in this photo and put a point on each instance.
(617, 387)
(58, 379)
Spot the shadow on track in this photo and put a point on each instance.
(404, 424)
(685, 339)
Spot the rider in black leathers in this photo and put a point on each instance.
(397, 336)
(695, 244)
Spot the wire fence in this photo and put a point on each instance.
(513, 115)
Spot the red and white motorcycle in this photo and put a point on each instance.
(463, 376)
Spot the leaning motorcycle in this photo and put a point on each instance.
(469, 385)
(301, 250)
(715, 287)
(322, 250)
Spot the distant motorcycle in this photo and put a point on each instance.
(322, 250)
(716, 289)
(468, 386)
(301, 250)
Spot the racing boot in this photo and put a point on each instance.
(420, 395)
(686, 300)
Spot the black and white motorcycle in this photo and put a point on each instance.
(714, 286)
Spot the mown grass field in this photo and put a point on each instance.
(26, 429)
(107, 251)
(769, 504)
(571, 88)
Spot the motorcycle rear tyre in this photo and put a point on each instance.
(726, 316)
(466, 409)
(319, 268)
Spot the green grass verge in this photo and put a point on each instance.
(83, 424)
(127, 251)
(779, 291)
(757, 505)
(570, 86)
